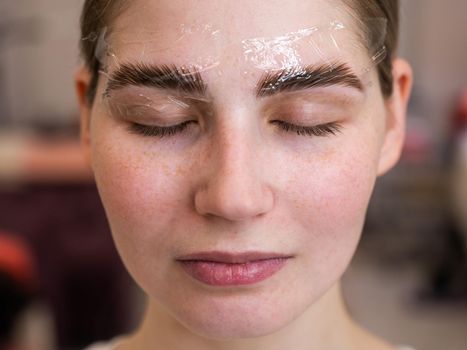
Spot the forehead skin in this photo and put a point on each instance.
(213, 27)
(267, 17)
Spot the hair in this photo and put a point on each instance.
(389, 10)
(98, 14)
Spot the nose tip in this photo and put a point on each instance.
(234, 198)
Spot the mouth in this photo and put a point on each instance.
(232, 258)
(230, 269)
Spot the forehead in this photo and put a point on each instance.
(263, 17)
(264, 34)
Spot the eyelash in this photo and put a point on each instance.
(317, 130)
(159, 131)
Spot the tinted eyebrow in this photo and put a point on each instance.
(168, 77)
(301, 78)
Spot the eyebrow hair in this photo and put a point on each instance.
(301, 78)
(171, 77)
(189, 80)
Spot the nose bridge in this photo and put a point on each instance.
(233, 149)
(234, 188)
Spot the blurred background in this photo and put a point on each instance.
(62, 285)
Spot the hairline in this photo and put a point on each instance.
(115, 8)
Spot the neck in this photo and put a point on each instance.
(324, 325)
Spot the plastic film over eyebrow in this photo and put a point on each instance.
(125, 58)
(154, 91)
(117, 46)
(285, 58)
(325, 43)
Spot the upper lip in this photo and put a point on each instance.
(226, 257)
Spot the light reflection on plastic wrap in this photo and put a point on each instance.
(326, 42)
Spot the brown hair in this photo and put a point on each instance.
(98, 14)
(366, 10)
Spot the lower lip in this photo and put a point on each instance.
(226, 274)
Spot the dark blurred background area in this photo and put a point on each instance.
(62, 285)
(52, 223)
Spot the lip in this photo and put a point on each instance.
(232, 258)
(228, 269)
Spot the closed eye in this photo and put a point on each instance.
(158, 131)
(166, 131)
(316, 130)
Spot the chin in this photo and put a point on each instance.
(234, 326)
(235, 317)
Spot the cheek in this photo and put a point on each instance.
(328, 198)
(342, 190)
(128, 186)
(143, 191)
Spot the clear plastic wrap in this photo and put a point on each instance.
(311, 57)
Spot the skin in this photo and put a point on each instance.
(234, 182)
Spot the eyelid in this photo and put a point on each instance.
(168, 114)
(145, 95)
(323, 100)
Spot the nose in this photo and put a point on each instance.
(234, 186)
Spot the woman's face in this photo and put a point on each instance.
(238, 178)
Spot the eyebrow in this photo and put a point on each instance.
(170, 77)
(302, 78)
(189, 80)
